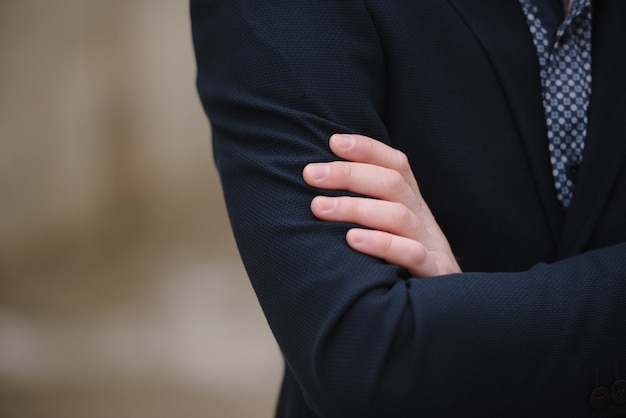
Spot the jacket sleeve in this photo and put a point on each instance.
(363, 339)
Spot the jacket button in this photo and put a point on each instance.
(618, 392)
(600, 398)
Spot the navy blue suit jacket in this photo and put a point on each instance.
(537, 321)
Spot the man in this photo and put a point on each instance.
(360, 275)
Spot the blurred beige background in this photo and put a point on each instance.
(121, 291)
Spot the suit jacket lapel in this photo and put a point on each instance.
(605, 145)
(500, 26)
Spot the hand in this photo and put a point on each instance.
(403, 229)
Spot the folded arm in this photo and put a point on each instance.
(362, 337)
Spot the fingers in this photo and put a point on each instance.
(373, 169)
(404, 231)
(398, 235)
(383, 215)
(362, 178)
(359, 148)
(397, 250)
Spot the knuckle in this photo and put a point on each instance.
(401, 215)
(395, 181)
(386, 244)
(349, 208)
(403, 163)
(418, 254)
(340, 170)
(346, 169)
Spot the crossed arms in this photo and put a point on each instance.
(360, 336)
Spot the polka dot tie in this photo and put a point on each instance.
(565, 70)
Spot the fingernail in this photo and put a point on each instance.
(325, 203)
(318, 171)
(359, 236)
(344, 141)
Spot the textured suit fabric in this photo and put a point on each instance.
(538, 319)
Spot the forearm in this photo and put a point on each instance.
(361, 336)
(362, 339)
